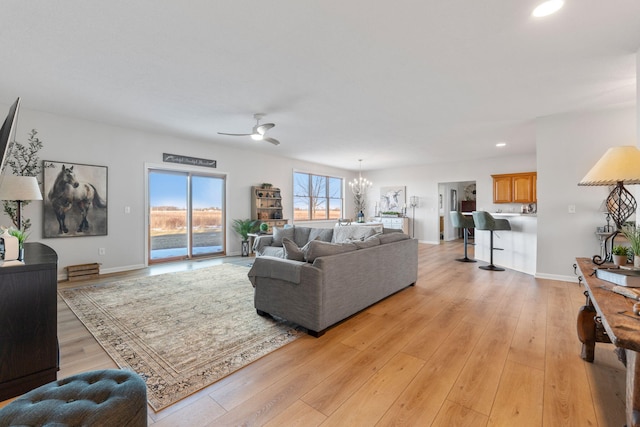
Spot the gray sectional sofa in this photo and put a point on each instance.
(327, 282)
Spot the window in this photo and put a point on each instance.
(316, 197)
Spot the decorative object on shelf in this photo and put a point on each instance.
(620, 255)
(10, 246)
(360, 217)
(633, 236)
(359, 188)
(243, 227)
(413, 202)
(72, 189)
(22, 238)
(392, 199)
(266, 185)
(389, 214)
(19, 189)
(264, 227)
(618, 166)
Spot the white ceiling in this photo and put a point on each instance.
(393, 83)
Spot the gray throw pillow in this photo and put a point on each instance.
(318, 248)
(367, 243)
(324, 234)
(281, 233)
(292, 251)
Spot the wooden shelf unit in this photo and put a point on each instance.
(266, 206)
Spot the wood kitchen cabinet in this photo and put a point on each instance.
(515, 188)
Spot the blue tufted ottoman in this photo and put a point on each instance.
(109, 397)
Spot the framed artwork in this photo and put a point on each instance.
(393, 199)
(75, 200)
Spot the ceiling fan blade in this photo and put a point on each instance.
(234, 134)
(262, 129)
(272, 140)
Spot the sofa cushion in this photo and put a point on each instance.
(318, 248)
(301, 236)
(292, 250)
(392, 237)
(280, 233)
(273, 251)
(369, 242)
(353, 232)
(323, 234)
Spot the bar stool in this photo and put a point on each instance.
(484, 221)
(460, 221)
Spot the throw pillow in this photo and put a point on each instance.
(291, 250)
(318, 248)
(367, 243)
(324, 234)
(352, 232)
(281, 233)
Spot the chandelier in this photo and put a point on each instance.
(359, 187)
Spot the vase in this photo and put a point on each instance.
(619, 259)
(636, 261)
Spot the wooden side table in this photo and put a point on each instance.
(613, 312)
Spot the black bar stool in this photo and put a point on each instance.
(460, 221)
(484, 221)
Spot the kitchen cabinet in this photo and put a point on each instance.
(515, 188)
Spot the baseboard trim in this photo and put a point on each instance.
(561, 278)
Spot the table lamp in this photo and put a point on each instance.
(19, 189)
(618, 166)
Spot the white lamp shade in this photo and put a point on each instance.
(13, 187)
(619, 164)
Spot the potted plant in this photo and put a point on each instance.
(620, 254)
(22, 237)
(243, 227)
(633, 235)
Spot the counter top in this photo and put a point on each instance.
(506, 214)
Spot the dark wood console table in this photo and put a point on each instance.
(604, 310)
(28, 322)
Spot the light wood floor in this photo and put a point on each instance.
(464, 347)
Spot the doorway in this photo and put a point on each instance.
(186, 215)
(454, 196)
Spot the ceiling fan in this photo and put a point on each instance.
(258, 131)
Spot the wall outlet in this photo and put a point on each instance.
(127, 209)
(572, 209)
(102, 251)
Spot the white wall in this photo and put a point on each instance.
(125, 152)
(568, 146)
(422, 181)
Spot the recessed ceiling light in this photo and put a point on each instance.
(547, 8)
(501, 144)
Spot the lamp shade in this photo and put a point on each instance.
(13, 187)
(619, 164)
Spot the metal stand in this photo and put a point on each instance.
(465, 231)
(608, 250)
(491, 266)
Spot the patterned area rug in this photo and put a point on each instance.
(180, 331)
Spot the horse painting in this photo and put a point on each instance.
(68, 193)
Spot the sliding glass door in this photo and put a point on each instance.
(186, 215)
